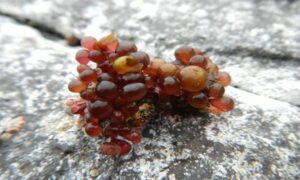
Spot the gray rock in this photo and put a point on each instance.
(254, 35)
(257, 42)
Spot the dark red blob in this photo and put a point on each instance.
(112, 57)
(82, 56)
(116, 124)
(126, 47)
(199, 60)
(108, 43)
(98, 71)
(112, 45)
(149, 82)
(198, 100)
(106, 67)
(116, 91)
(76, 85)
(93, 129)
(137, 123)
(223, 78)
(153, 67)
(211, 67)
(88, 76)
(97, 56)
(166, 70)
(82, 67)
(142, 57)
(132, 78)
(100, 109)
(216, 90)
(110, 148)
(184, 54)
(88, 118)
(124, 131)
(107, 90)
(170, 86)
(129, 110)
(78, 108)
(88, 94)
(105, 77)
(134, 91)
(114, 132)
(117, 116)
(88, 42)
(125, 146)
(134, 137)
(119, 102)
(110, 132)
(224, 104)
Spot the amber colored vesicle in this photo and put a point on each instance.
(123, 77)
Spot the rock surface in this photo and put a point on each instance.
(251, 35)
(257, 42)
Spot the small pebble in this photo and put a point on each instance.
(94, 172)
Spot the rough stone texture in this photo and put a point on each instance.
(258, 42)
(258, 33)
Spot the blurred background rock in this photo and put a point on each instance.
(257, 42)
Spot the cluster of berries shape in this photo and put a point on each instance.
(114, 77)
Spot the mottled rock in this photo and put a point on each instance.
(257, 42)
(258, 37)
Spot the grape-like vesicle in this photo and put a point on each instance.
(116, 82)
(184, 54)
(127, 64)
(224, 104)
(223, 78)
(216, 91)
(88, 76)
(88, 42)
(193, 78)
(100, 109)
(93, 129)
(125, 48)
(198, 100)
(82, 56)
(76, 86)
(96, 56)
(134, 91)
(153, 67)
(166, 70)
(107, 90)
(199, 60)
